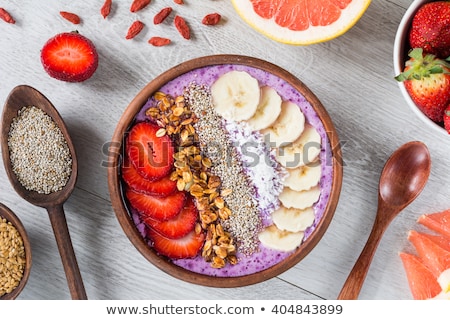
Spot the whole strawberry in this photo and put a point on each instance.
(430, 29)
(427, 80)
(447, 119)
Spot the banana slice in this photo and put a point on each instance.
(236, 95)
(302, 151)
(268, 109)
(281, 240)
(299, 199)
(293, 220)
(287, 127)
(304, 177)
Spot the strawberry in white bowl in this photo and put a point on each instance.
(421, 47)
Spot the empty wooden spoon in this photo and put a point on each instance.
(404, 176)
(25, 96)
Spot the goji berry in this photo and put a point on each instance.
(211, 19)
(106, 8)
(182, 27)
(139, 5)
(5, 16)
(134, 29)
(162, 15)
(69, 16)
(159, 41)
(178, 1)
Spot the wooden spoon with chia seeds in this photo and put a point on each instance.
(26, 96)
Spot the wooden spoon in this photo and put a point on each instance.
(23, 96)
(403, 178)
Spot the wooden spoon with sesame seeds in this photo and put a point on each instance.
(26, 96)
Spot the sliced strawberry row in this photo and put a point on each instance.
(171, 222)
(169, 214)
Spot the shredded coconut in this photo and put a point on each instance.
(259, 164)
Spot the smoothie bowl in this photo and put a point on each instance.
(225, 171)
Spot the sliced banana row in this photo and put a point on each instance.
(237, 96)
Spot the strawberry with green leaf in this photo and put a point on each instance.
(427, 80)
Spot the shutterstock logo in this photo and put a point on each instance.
(248, 152)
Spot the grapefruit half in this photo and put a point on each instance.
(301, 22)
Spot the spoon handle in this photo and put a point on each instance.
(355, 280)
(61, 231)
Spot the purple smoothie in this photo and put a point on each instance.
(265, 258)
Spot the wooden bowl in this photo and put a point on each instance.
(7, 214)
(120, 207)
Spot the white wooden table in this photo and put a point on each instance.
(352, 76)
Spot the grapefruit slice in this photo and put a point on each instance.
(433, 256)
(439, 222)
(421, 280)
(301, 22)
(439, 239)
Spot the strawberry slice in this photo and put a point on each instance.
(178, 226)
(186, 247)
(152, 156)
(157, 208)
(69, 56)
(135, 181)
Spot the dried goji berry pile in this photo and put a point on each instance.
(179, 22)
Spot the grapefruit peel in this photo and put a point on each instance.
(313, 34)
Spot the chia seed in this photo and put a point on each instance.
(244, 222)
(39, 154)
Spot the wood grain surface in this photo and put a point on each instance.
(352, 76)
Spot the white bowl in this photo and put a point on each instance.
(401, 48)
